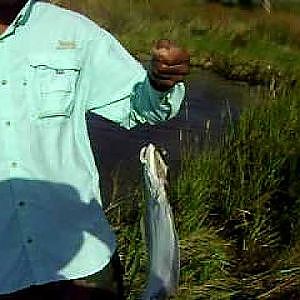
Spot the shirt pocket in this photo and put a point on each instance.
(54, 81)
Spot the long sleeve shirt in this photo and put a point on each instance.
(55, 66)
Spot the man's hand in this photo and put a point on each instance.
(169, 65)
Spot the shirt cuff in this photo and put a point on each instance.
(170, 99)
(156, 93)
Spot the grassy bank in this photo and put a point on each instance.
(241, 44)
(248, 190)
(237, 210)
(237, 206)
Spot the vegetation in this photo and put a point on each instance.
(237, 205)
(248, 43)
(237, 209)
(248, 190)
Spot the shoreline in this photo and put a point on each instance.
(252, 72)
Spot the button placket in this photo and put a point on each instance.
(12, 163)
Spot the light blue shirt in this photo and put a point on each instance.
(55, 66)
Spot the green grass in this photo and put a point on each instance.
(207, 30)
(236, 204)
(237, 210)
(249, 190)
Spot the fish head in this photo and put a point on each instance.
(153, 161)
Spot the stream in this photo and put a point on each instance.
(209, 101)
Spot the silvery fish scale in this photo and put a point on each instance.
(159, 227)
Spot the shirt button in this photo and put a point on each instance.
(3, 82)
(29, 241)
(24, 83)
(21, 203)
(7, 123)
(14, 164)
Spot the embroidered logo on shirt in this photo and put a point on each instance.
(66, 45)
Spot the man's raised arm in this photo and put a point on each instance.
(121, 90)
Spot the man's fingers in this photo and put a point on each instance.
(181, 69)
(162, 47)
(166, 77)
(165, 84)
(173, 56)
(170, 64)
(164, 43)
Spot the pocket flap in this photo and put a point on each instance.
(57, 61)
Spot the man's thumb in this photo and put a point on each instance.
(163, 43)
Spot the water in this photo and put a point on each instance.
(209, 100)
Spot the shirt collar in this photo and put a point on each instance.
(24, 14)
(21, 19)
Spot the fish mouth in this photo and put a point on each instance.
(154, 159)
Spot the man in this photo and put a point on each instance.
(56, 65)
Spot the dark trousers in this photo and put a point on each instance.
(108, 285)
(64, 290)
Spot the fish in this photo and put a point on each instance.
(159, 231)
